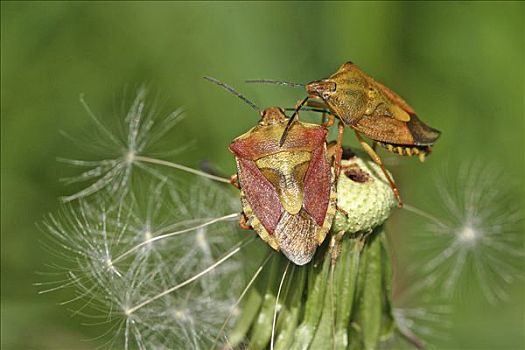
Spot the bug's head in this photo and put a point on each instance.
(324, 88)
(342, 92)
(272, 115)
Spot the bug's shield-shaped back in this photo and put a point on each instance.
(371, 108)
(288, 192)
(286, 172)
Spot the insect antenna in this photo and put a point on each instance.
(311, 109)
(291, 120)
(276, 82)
(233, 91)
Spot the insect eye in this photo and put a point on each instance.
(322, 88)
(331, 87)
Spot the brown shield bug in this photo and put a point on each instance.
(372, 110)
(287, 191)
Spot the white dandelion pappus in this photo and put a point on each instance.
(164, 210)
(142, 129)
(421, 319)
(153, 260)
(480, 236)
(142, 296)
(421, 326)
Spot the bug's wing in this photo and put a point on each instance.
(320, 192)
(392, 96)
(352, 72)
(296, 237)
(260, 194)
(399, 120)
(386, 129)
(317, 185)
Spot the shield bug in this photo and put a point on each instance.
(287, 191)
(372, 110)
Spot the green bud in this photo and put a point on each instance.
(364, 194)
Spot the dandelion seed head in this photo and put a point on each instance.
(429, 323)
(130, 157)
(479, 239)
(468, 235)
(236, 311)
(117, 153)
(109, 265)
(112, 260)
(148, 256)
(181, 315)
(420, 318)
(200, 238)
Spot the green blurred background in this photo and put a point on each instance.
(461, 65)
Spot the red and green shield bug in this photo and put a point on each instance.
(372, 110)
(287, 191)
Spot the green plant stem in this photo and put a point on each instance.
(371, 301)
(290, 317)
(341, 300)
(262, 327)
(318, 273)
(346, 286)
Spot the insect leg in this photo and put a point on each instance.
(243, 222)
(235, 181)
(342, 211)
(328, 119)
(333, 149)
(335, 246)
(377, 160)
(314, 104)
(330, 149)
(339, 149)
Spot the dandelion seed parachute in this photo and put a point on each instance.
(421, 319)
(120, 284)
(479, 239)
(142, 129)
(143, 253)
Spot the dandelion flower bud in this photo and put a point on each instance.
(364, 194)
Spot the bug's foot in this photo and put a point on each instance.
(342, 211)
(235, 181)
(243, 223)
